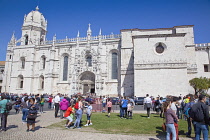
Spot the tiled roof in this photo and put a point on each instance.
(2, 63)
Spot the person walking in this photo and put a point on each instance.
(63, 107)
(170, 116)
(32, 114)
(147, 104)
(200, 114)
(109, 105)
(56, 102)
(3, 112)
(24, 106)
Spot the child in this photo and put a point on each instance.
(109, 105)
(17, 108)
(69, 115)
(129, 106)
(89, 112)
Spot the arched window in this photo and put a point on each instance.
(114, 73)
(41, 79)
(43, 62)
(20, 81)
(26, 39)
(89, 61)
(22, 59)
(65, 68)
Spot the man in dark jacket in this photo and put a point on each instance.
(200, 114)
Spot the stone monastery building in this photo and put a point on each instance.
(134, 63)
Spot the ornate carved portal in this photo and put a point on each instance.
(87, 82)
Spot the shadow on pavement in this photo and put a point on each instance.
(12, 126)
(144, 116)
(38, 127)
(160, 133)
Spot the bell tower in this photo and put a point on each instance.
(34, 28)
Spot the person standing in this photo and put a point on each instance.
(147, 104)
(104, 101)
(50, 102)
(89, 113)
(42, 104)
(170, 116)
(200, 114)
(3, 112)
(124, 107)
(109, 105)
(187, 107)
(63, 107)
(57, 101)
(78, 113)
(32, 114)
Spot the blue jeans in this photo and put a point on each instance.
(121, 112)
(201, 127)
(78, 116)
(124, 112)
(170, 128)
(49, 105)
(25, 113)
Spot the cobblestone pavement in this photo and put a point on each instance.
(17, 131)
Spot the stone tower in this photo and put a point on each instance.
(34, 28)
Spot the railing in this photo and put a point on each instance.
(112, 36)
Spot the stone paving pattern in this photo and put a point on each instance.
(17, 131)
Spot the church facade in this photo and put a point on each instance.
(135, 62)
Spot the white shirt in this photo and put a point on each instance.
(147, 100)
(57, 99)
(173, 107)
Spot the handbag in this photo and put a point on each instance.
(164, 127)
(31, 116)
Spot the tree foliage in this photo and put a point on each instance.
(200, 85)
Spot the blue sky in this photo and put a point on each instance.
(66, 17)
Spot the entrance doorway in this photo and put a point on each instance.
(87, 82)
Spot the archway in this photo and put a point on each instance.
(87, 82)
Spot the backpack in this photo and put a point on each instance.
(8, 106)
(76, 105)
(186, 111)
(196, 113)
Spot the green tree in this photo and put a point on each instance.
(200, 85)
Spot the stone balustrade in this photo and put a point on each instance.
(112, 36)
(202, 45)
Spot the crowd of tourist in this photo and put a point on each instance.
(191, 108)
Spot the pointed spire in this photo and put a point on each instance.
(37, 8)
(100, 31)
(89, 30)
(24, 17)
(13, 40)
(78, 34)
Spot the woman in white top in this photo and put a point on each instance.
(147, 104)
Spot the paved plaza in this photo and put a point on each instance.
(17, 131)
